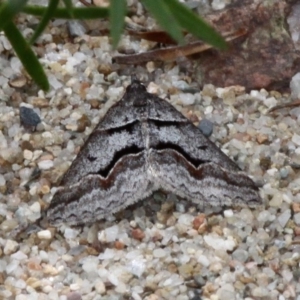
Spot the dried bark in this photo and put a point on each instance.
(265, 58)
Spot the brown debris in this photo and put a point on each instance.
(263, 57)
(285, 105)
(153, 36)
(171, 53)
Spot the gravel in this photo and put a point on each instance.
(163, 247)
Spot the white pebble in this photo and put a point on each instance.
(187, 99)
(284, 218)
(203, 260)
(35, 207)
(12, 266)
(296, 139)
(10, 247)
(27, 154)
(100, 287)
(45, 164)
(90, 264)
(19, 255)
(108, 254)
(2, 180)
(136, 266)
(226, 292)
(219, 243)
(70, 233)
(44, 234)
(228, 213)
(159, 253)
(295, 86)
(113, 279)
(185, 219)
(111, 233)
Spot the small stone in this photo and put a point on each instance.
(111, 233)
(33, 265)
(284, 218)
(28, 117)
(297, 230)
(240, 255)
(26, 145)
(82, 123)
(185, 270)
(28, 154)
(18, 81)
(73, 296)
(19, 255)
(219, 243)
(276, 200)
(45, 164)
(218, 4)
(297, 218)
(206, 127)
(40, 102)
(10, 247)
(76, 28)
(187, 99)
(261, 138)
(198, 221)
(284, 173)
(226, 292)
(137, 234)
(158, 253)
(119, 245)
(100, 287)
(260, 292)
(296, 139)
(296, 207)
(2, 180)
(228, 213)
(44, 234)
(95, 103)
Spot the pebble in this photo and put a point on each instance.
(228, 213)
(44, 234)
(296, 139)
(226, 292)
(295, 86)
(28, 117)
(187, 99)
(45, 164)
(206, 127)
(284, 218)
(159, 253)
(219, 243)
(10, 247)
(100, 287)
(297, 218)
(28, 154)
(259, 292)
(240, 255)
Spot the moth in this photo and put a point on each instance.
(141, 145)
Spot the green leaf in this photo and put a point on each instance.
(63, 13)
(194, 24)
(117, 12)
(26, 55)
(69, 6)
(162, 13)
(8, 9)
(50, 9)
